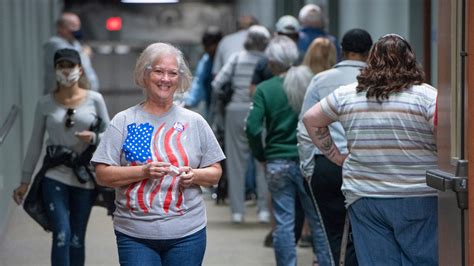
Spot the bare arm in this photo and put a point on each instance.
(117, 176)
(316, 123)
(206, 176)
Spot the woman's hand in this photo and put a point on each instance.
(186, 176)
(20, 192)
(156, 169)
(85, 135)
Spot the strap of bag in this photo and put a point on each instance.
(234, 66)
(345, 237)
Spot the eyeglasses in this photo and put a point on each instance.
(161, 72)
(69, 115)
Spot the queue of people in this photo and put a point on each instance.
(322, 123)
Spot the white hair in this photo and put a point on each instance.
(295, 84)
(151, 54)
(282, 51)
(257, 38)
(312, 16)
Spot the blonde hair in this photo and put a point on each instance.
(151, 54)
(321, 55)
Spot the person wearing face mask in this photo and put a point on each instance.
(67, 115)
(69, 35)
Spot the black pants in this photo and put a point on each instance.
(326, 185)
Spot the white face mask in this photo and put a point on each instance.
(70, 79)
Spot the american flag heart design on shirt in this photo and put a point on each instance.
(142, 145)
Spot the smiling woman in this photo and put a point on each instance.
(161, 79)
(158, 155)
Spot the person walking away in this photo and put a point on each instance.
(201, 87)
(232, 43)
(313, 23)
(279, 154)
(325, 177)
(238, 71)
(388, 120)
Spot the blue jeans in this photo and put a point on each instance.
(188, 250)
(285, 183)
(395, 231)
(68, 209)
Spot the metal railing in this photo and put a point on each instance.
(8, 124)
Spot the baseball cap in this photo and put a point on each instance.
(287, 25)
(67, 54)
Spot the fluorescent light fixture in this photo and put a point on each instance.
(150, 1)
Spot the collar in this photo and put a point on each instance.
(350, 63)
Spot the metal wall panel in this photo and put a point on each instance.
(24, 26)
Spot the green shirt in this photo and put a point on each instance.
(270, 106)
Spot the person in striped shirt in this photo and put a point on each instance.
(388, 119)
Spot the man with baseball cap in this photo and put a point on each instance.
(325, 177)
(286, 25)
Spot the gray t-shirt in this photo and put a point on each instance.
(157, 208)
(50, 117)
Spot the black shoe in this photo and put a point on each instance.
(268, 242)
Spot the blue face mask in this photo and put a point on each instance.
(77, 34)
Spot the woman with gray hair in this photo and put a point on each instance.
(157, 155)
(238, 71)
(279, 154)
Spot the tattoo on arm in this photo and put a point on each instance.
(325, 143)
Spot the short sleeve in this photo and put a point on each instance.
(109, 150)
(330, 106)
(210, 148)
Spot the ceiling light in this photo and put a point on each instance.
(149, 1)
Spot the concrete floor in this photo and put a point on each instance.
(25, 243)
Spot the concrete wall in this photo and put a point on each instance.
(379, 17)
(24, 26)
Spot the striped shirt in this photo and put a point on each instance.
(391, 143)
(239, 71)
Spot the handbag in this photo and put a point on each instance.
(224, 95)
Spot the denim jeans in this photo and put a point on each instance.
(285, 182)
(395, 231)
(187, 251)
(68, 209)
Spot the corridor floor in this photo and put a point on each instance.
(25, 243)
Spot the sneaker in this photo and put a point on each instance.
(237, 218)
(264, 217)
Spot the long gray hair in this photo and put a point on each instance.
(295, 84)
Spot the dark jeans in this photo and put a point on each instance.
(326, 186)
(68, 210)
(187, 251)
